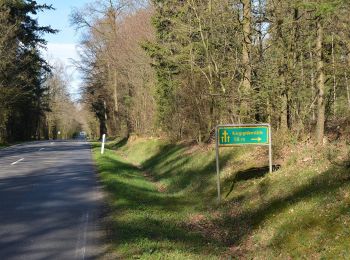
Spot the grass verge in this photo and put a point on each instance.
(2, 146)
(162, 200)
(5, 145)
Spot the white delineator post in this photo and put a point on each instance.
(103, 143)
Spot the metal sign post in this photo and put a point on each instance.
(217, 165)
(238, 135)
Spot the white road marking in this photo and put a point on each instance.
(17, 161)
(84, 236)
(81, 241)
(52, 143)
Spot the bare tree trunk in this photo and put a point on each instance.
(334, 78)
(297, 58)
(321, 107)
(115, 92)
(312, 83)
(347, 89)
(258, 115)
(346, 76)
(246, 54)
(103, 121)
(284, 113)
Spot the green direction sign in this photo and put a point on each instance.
(231, 135)
(242, 135)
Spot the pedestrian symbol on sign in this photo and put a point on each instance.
(225, 138)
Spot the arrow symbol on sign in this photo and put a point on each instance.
(257, 139)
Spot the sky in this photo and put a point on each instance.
(63, 45)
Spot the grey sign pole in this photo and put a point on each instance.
(270, 149)
(217, 163)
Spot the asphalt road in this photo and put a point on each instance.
(49, 202)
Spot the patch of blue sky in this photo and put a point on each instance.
(62, 47)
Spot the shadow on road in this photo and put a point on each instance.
(46, 208)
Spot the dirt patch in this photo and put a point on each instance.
(198, 148)
(206, 227)
(160, 186)
(228, 228)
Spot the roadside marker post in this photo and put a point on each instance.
(239, 135)
(103, 143)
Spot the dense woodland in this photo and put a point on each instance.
(22, 71)
(178, 68)
(34, 96)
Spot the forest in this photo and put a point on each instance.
(34, 98)
(179, 68)
(158, 77)
(176, 69)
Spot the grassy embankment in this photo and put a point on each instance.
(162, 200)
(2, 145)
(5, 145)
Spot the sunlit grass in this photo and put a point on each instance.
(163, 203)
(145, 222)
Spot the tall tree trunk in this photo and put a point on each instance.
(115, 100)
(346, 75)
(321, 106)
(103, 127)
(258, 114)
(246, 56)
(115, 91)
(103, 120)
(284, 113)
(282, 73)
(347, 89)
(292, 114)
(312, 83)
(334, 78)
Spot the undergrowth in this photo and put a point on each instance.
(163, 202)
